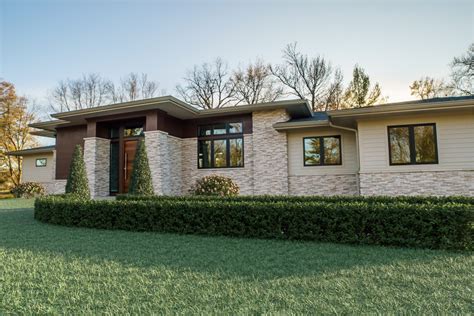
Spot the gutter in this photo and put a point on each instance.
(356, 132)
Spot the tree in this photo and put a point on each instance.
(427, 88)
(359, 92)
(92, 90)
(255, 84)
(77, 182)
(208, 86)
(462, 73)
(140, 183)
(14, 132)
(307, 78)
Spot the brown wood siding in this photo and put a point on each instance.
(66, 140)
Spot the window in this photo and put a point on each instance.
(135, 131)
(412, 144)
(219, 146)
(41, 162)
(322, 150)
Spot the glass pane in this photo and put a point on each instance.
(136, 131)
(332, 153)
(204, 156)
(425, 144)
(236, 153)
(235, 128)
(312, 151)
(220, 129)
(205, 130)
(114, 132)
(399, 145)
(114, 167)
(220, 153)
(41, 162)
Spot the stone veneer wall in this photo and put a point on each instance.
(270, 154)
(164, 156)
(418, 183)
(345, 184)
(242, 176)
(97, 159)
(55, 186)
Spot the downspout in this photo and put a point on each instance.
(356, 132)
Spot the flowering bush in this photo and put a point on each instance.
(215, 185)
(28, 190)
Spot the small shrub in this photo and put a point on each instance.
(215, 185)
(77, 182)
(28, 190)
(140, 183)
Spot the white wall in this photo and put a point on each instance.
(31, 173)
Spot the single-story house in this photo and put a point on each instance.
(421, 147)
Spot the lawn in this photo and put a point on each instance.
(52, 269)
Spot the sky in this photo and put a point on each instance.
(43, 42)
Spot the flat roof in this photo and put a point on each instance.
(32, 151)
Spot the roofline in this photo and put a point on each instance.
(283, 126)
(255, 107)
(403, 107)
(31, 151)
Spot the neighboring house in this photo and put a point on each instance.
(410, 148)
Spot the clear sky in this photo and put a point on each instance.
(43, 42)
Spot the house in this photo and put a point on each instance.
(410, 148)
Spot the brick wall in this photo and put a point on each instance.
(97, 160)
(345, 184)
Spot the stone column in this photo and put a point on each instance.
(270, 153)
(97, 160)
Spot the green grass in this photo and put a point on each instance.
(52, 269)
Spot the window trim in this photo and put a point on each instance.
(227, 149)
(45, 160)
(322, 162)
(411, 139)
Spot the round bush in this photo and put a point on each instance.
(28, 190)
(215, 185)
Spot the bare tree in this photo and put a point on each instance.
(335, 95)
(92, 90)
(462, 73)
(307, 78)
(426, 88)
(255, 84)
(208, 86)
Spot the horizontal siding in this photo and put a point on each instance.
(31, 173)
(295, 153)
(455, 134)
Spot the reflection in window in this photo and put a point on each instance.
(41, 162)
(204, 159)
(220, 153)
(236, 152)
(412, 144)
(130, 132)
(324, 150)
(220, 129)
(235, 128)
(205, 130)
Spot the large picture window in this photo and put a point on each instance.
(412, 144)
(221, 146)
(322, 150)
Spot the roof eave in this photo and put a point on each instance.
(283, 126)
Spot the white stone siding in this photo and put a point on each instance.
(55, 187)
(97, 159)
(270, 154)
(164, 156)
(345, 184)
(418, 183)
(243, 177)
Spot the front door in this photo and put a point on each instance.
(129, 149)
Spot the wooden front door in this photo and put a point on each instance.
(129, 149)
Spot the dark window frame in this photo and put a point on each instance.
(321, 151)
(227, 137)
(45, 162)
(411, 140)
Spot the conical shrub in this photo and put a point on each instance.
(140, 183)
(77, 182)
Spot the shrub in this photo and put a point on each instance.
(28, 190)
(428, 225)
(215, 185)
(140, 183)
(77, 182)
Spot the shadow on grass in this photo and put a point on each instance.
(247, 258)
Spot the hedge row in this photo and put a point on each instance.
(443, 226)
(315, 198)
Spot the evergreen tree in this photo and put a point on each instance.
(77, 182)
(360, 93)
(140, 183)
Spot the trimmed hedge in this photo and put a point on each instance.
(429, 225)
(312, 198)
